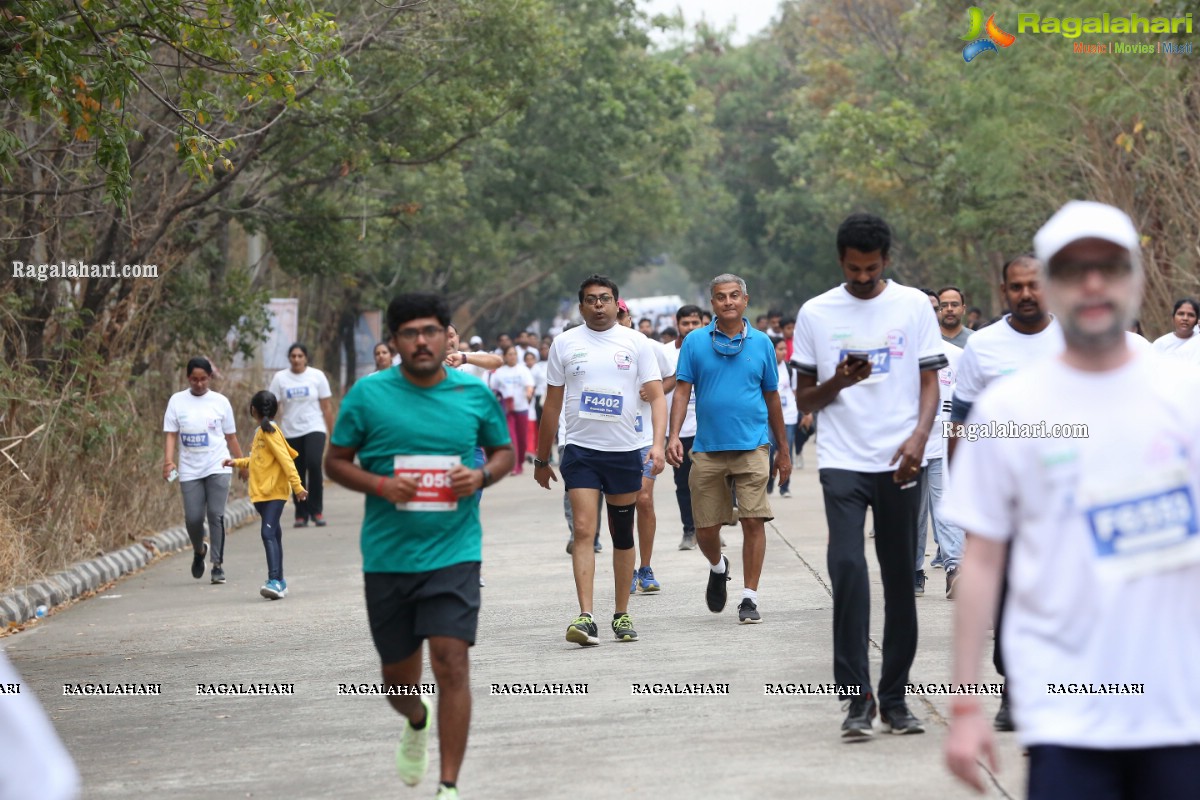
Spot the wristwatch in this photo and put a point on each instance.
(487, 477)
(538, 463)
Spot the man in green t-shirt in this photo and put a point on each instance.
(414, 429)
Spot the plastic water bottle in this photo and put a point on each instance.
(172, 476)
(40, 612)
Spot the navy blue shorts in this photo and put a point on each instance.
(611, 473)
(1070, 773)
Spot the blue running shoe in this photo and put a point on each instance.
(274, 590)
(646, 580)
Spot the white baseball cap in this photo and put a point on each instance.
(1085, 219)
(476, 340)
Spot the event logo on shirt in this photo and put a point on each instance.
(624, 359)
(578, 357)
(896, 343)
(295, 391)
(946, 376)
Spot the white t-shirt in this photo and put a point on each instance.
(201, 424)
(1137, 341)
(1170, 343)
(300, 399)
(936, 446)
(539, 380)
(999, 350)
(787, 396)
(511, 383)
(37, 764)
(601, 373)
(644, 421)
(1080, 513)
(689, 419)
(864, 426)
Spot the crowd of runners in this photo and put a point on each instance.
(1080, 547)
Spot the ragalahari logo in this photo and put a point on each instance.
(977, 42)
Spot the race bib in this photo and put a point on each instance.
(295, 391)
(1144, 525)
(601, 404)
(432, 474)
(783, 401)
(196, 440)
(880, 359)
(637, 423)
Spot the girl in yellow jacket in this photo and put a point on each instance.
(272, 477)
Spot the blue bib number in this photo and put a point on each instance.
(608, 405)
(295, 391)
(1138, 524)
(194, 439)
(880, 359)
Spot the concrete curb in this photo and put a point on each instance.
(20, 604)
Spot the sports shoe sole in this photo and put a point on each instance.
(625, 637)
(271, 594)
(887, 728)
(576, 636)
(750, 621)
(218, 579)
(687, 544)
(858, 734)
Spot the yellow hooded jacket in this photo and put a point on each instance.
(273, 474)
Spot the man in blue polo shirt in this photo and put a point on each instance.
(732, 367)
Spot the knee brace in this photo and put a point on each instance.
(620, 525)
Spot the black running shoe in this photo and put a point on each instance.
(858, 721)
(717, 593)
(748, 612)
(198, 560)
(583, 631)
(919, 583)
(1003, 721)
(899, 720)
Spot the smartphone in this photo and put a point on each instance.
(854, 359)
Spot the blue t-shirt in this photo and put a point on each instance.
(384, 416)
(731, 413)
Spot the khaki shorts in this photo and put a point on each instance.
(712, 476)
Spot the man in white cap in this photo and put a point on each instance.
(1100, 631)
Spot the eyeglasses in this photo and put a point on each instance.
(597, 300)
(1076, 271)
(731, 347)
(411, 334)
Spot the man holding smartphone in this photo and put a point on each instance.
(867, 355)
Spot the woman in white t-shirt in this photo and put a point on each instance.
(201, 422)
(787, 399)
(306, 418)
(513, 383)
(1183, 323)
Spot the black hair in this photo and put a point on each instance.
(788, 319)
(704, 314)
(866, 233)
(760, 318)
(599, 280)
(669, 331)
(381, 342)
(688, 311)
(417, 305)
(774, 312)
(1178, 304)
(199, 362)
(961, 297)
(929, 292)
(645, 319)
(267, 406)
(975, 310)
(300, 347)
(504, 350)
(1024, 257)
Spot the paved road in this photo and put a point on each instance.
(161, 626)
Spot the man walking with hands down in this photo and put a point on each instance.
(867, 354)
(1101, 529)
(421, 540)
(594, 376)
(732, 368)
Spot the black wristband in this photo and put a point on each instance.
(487, 477)
(537, 463)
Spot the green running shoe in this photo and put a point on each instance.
(412, 756)
(623, 629)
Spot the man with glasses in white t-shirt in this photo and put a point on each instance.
(1101, 529)
(867, 354)
(594, 376)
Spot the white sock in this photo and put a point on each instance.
(751, 595)
(718, 567)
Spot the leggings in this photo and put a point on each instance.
(518, 429)
(272, 535)
(206, 497)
